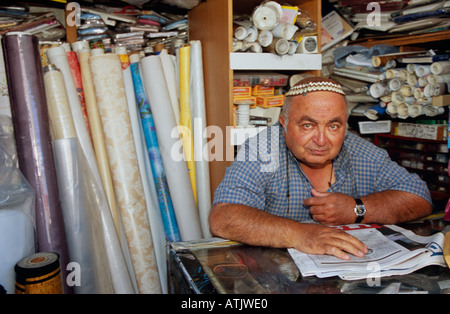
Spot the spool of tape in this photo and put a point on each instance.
(308, 45)
(39, 273)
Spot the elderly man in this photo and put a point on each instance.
(316, 170)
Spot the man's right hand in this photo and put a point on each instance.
(319, 239)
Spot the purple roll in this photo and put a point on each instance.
(32, 133)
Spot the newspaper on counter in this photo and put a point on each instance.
(393, 250)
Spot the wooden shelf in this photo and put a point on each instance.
(403, 40)
(270, 61)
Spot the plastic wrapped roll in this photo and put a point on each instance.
(17, 217)
(176, 169)
(80, 216)
(199, 115)
(265, 38)
(32, 132)
(112, 103)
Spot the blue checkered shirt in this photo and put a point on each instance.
(258, 176)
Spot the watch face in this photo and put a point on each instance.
(360, 210)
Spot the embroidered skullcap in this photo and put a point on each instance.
(315, 84)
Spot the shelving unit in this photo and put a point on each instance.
(427, 158)
(211, 22)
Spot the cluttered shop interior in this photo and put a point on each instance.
(128, 165)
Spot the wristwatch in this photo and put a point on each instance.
(360, 210)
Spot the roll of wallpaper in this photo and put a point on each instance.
(422, 69)
(61, 121)
(379, 89)
(435, 89)
(74, 66)
(169, 64)
(441, 78)
(432, 111)
(155, 219)
(98, 140)
(265, 38)
(32, 132)
(102, 179)
(185, 126)
(440, 67)
(158, 172)
(199, 114)
(176, 169)
(415, 110)
(112, 103)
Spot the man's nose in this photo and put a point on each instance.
(320, 137)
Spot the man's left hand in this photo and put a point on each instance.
(331, 208)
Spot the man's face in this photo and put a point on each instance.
(316, 127)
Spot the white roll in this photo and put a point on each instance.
(415, 110)
(440, 67)
(437, 89)
(422, 69)
(176, 168)
(267, 16)
(199, 124)
(265, 38)
(284, 30)
(432, 111)
(169, 64)
(379, 89)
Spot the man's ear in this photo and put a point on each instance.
(282, 120)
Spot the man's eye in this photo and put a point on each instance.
(334, 127)
(307, 126)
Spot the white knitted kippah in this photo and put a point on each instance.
(315, 84)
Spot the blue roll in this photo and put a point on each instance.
(159, 175)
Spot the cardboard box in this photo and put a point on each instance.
(437, 132)
(242, 91)
(263, 90)
(246, 99)
(268, 101)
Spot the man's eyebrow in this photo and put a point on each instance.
(311, 119)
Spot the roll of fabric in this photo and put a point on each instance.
(32, 132)
(200, 143)
(111, 99)
(176, 169)
(159, 174)
(185, 114)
